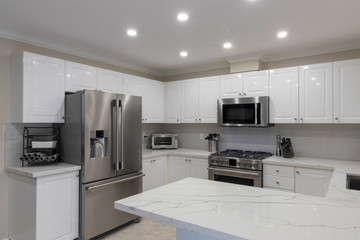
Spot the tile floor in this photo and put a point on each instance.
(145, 230)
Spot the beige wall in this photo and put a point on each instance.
(321, 58)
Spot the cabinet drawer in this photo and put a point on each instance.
(277, 170)
(278, 182)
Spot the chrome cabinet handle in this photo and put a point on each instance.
(199, 119)
(244, 94)
(277, 182)
(301, 119)
(297, 172)
(240, 94)
(189, 160)
(295, 119)
(336, 118)
(277, 171)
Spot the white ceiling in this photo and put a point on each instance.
(96, 29)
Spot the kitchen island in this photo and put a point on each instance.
(203, 209)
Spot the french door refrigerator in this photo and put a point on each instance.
(103, 134)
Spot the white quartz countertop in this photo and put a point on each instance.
(229, 211)
(176, 152)
(41, 171)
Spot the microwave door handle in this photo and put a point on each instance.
(256, 115)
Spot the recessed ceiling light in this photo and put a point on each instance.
(131, 32)
(182, 17)
(282, 34)
(227, 45)
(183, 54)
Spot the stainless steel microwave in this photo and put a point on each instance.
(244, 112)
(164, 141)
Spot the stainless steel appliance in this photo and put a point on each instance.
(237, 166)
(244, 112)
(164, 141)
(103, 134)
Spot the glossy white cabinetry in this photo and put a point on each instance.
(45, 207)
(173, 91)
(37, 89)
(284, 95)
(208, 96)
(80, 77)
(315, 93)
(312, 181)
(277, 176)
(183, 167)
(133, 85)
(110, 81)
(256, 84)
(231, 86)
(153, 101)
(154, 170)
(190, 101)
(346, 91)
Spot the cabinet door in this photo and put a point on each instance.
(231, 86)
(158, 167)
(284, 95)
(198, 168)
(133, 85)
(43, 89)
(315, 100)
(208, 96)
(153, 110)
(173, 98)
(177, 168)
(256, 84)
(110, 81)
(80, 77)
(190, 101)
(57, 206)
(346, 87)
(312, 181)
(147, 180)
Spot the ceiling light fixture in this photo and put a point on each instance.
(282, 34)
(227, 45)
(183, 54)
(131, 32)
(182, 17)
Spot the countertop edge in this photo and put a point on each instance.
(42, 173)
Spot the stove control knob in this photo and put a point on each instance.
(249, 164)
(255, 165)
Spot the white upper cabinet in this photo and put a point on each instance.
(346, 91)
(256, 84)
(80, 77)
(133, 85)
(284, 95)
(153, 100)
(315, 83)
(110, 81)
(37, 92)
(190, 101)
(208, 96)
(173, 101)
(231, 86)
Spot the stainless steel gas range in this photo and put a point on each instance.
(237, 166)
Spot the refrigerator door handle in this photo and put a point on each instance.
(110, 183)
(120, 165)
(116, 136)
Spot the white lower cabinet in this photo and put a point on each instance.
(312, 181)
(45, 207)
(303, 180)
(183, 167)
(154, 169)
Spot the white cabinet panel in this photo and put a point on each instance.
(110, 81)
(346, 91)
(278, 182)
(208, 96)
(284, 95)
(256, 83)
(190, 101)
(312, 181)
(44, 208)
(316, 93)
(153, 110)
(173, 102)
(154, 170)
(177, 168)
(231, 86)
(37, 92)
(133, 85)
(80, 77)
(198, 168)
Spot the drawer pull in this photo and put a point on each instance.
(297, 172)
(277, 182)
(277, 171)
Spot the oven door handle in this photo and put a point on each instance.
(230, 171)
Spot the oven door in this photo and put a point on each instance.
(236, 176)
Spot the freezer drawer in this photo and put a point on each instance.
(98, 214)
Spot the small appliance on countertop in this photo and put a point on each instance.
(163, 141)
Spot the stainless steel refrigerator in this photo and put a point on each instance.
(103, 134)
